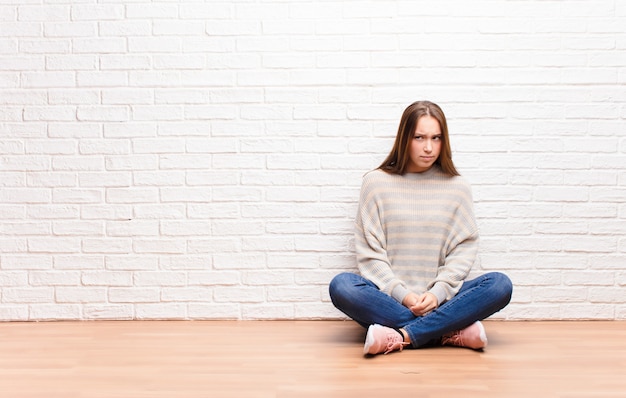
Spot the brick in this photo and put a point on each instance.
(185, 228)
(161, 311)
(178, 28)
(590, 244)
(235, 294)
(214, 311)
(186, 294)
(49, 46)
(133, 295)
(106, 278)
(71, 62)
(30, 262)
(127, 96)
(132, 228)
(80, 294)
(91, 45)
(54, 245)
(213, 245)
(292, 194)
(267, 244)
(586, 312)
(78, 228)
(97, 13)
(160, 112)
(30, 295)
(13, 245)
(85, 196)
(13, 278)
(124, 63)
(237, 228)
(159, 246)
(131, 163)
(69, 29)
(103, 113)
(180, 96)
(106, 212)
(185, 195)
(59, 212)
(50, 312)
(215, 11)
(20, 29)
(238, 261)
(111, 179)
(106, 246)
(25, 228)
(14, 312)
(186, 161)
(212, 278)
(589, 278)
(43, 13)
(157, 178)
(56, 114)
(130, 130)
(71, 96)
(214, 145)
(267, 311)
(167, 44)
(78, 262)
(153, 11)
(108, 312)
(150, 211)
(186, 262)
(48, 79)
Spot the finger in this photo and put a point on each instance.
(418, 310)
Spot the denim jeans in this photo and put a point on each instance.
(478, 298)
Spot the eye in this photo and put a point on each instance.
(437, 138)
(418, 137)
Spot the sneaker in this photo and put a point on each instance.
(382, 339)
(473, 336)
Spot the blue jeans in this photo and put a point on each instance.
(478, 298)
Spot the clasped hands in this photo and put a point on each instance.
(420, 304)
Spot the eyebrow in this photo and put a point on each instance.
(416, 134)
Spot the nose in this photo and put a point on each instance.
(428, 146)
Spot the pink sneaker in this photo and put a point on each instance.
(382, 339)
(473, 336)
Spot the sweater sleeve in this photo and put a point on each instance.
(452, 273)
(461, 252)
(371, 246)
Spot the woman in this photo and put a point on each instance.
(416, 241)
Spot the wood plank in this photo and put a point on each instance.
(303, 359)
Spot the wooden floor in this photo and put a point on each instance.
(303, 359)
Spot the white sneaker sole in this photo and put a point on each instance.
(483, 334)
(369, 339)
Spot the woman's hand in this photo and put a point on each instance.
(420, 304)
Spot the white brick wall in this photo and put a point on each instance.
(202, 160)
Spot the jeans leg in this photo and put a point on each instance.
(362, 301)
(478, 299)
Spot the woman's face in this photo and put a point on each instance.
(425, 144)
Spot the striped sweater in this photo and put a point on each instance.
(416, 233)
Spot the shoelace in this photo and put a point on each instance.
(394, 345)
(454, 338)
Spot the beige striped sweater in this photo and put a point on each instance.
(416, 232)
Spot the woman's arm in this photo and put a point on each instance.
(370, 246)
(461, 250)
(454, 271)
